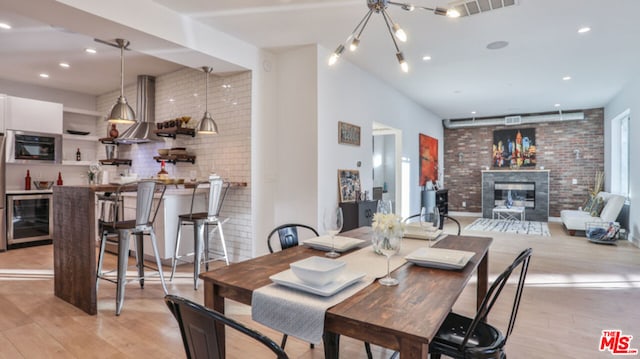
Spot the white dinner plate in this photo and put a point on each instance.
(418, 233)
(288, 279)
(342, 244)
(440, 258)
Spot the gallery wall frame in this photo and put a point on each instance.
(348, 134)
(348, 185)
(428, 153)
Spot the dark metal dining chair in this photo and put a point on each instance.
(118, 231)
(472, 338)
(199, 328)
(288, 235)
(443, 217)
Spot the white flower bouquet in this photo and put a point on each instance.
(388, 225)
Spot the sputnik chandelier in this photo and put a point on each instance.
(380, 7)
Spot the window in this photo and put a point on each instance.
(620, 154)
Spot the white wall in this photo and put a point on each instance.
(348, 93)
(627, 98)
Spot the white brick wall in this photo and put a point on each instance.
(181, 93)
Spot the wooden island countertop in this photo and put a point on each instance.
(74, 242)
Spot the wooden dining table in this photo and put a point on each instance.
(404, 318)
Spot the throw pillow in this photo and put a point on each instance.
(588, 203)
(596, 208)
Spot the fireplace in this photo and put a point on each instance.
(522, 193)
(529, 189)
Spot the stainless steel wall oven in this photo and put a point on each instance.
(29, 218)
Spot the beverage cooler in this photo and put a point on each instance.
(29, 218)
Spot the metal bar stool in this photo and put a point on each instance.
(142, 225)
(201, 222)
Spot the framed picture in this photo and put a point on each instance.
(514, 148)
(348, 134)
(428, 159)
(348, 184)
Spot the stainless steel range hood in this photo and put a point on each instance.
(142, 131)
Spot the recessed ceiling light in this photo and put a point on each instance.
(90, 50)
(4, 25)
(426, 58)
(584, 29)
(496, 45)
(64, 65)
(473, 112)
(172, 100)
(566, 78)
(556, 105)
(44, 76)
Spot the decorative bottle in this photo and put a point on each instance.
(78, 155)
(509, 202)
(59, 182)
(113, 133)
(163, 174)
(27, 181)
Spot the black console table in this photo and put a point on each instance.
(357, 214)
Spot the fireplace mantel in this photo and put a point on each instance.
(539, 177)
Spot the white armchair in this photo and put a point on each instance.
(576, 220)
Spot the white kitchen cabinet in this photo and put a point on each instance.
(33, 115)
(85, 121)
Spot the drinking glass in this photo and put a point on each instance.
(384, 206)
(333, 226)
(388, 245)
(424, 222)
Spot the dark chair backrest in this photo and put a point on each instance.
(199, 327)
(494, 292)
(288, 234)
(441, 222)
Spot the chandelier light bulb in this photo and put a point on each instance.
(354, 44)
(403, 63)
(400, 34)
(336, 54)
(453, 13)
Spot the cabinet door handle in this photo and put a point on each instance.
(367, 213)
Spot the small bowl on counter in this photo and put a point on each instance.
(163, 151)
(42, 185)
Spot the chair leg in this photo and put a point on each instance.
(103, 244)
(434, 356)
(140, 257)
(205, 241)
(224, 245)
(123, 254)
(156, 253)
(174, 260)
(367, 348)
(284, 341)
(198, 239)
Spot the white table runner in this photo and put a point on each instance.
(301, 314)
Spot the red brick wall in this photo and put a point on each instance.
(555, 141)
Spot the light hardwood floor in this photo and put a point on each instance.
(575, 289)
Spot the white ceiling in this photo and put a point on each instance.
(463, 75)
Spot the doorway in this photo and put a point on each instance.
(387, 168)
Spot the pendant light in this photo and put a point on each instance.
(121, 111)
(207, 125)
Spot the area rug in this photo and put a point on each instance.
(510, 226)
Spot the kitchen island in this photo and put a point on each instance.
(74, 241)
